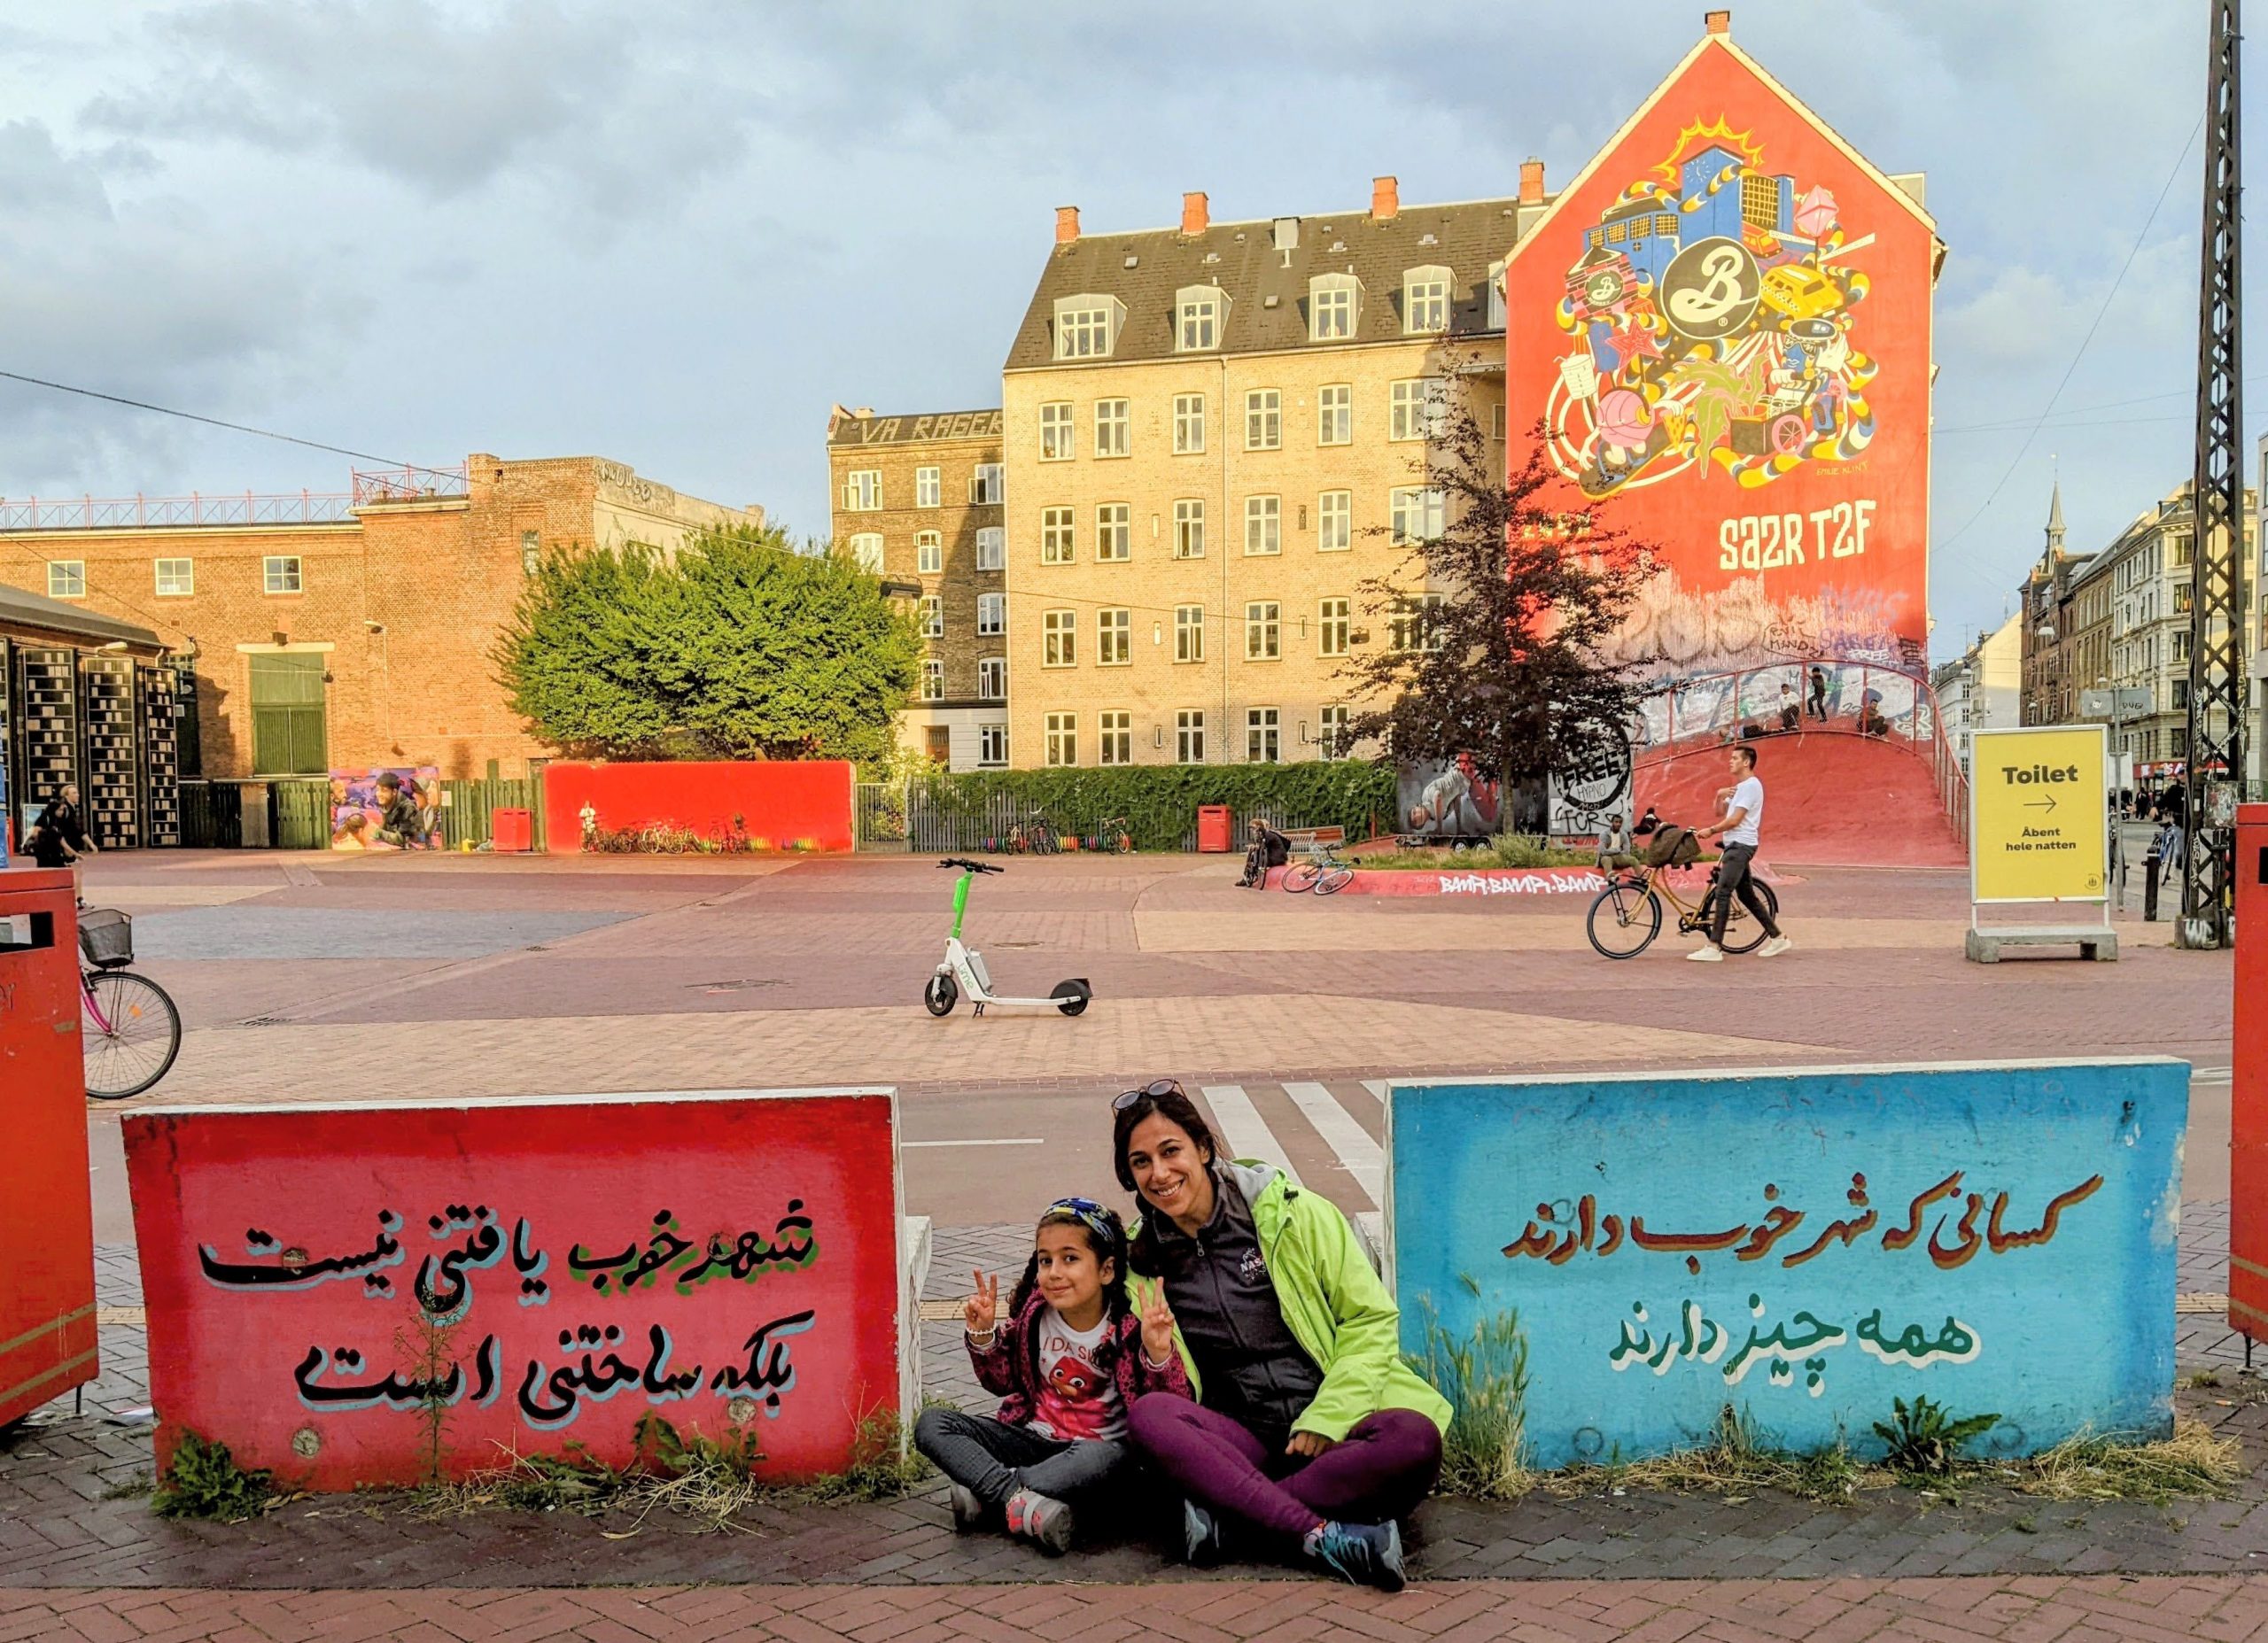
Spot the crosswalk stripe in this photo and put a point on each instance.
(1376, 1087)
(1244, 1132)
(1364, 1158)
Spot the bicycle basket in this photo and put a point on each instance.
(106, 938)
(1672, 847)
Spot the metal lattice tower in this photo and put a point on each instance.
(2215, 755)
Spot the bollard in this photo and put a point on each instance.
(2150, 885)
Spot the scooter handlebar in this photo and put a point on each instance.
(967, 865)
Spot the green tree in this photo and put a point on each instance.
(738, 647)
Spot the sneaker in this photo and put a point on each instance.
(1707, 953)
(1364, 1554)
(1041, 1518)
(969, 1512)
(1774, 946)
(1201, 1536)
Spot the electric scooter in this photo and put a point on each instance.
(963, 970)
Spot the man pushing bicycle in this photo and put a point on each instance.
(1740, 828)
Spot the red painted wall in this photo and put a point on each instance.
(780, 802)
(317, 1278)
(2248, 1091)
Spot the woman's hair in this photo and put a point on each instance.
(1176, 1108)
(1106, 1236)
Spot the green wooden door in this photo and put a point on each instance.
(288, 734)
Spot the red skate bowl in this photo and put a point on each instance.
(1833, 798)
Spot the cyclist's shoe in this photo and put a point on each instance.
(1774, 947)
(1363, 1554)
(1707, 953)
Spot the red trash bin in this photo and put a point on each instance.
(1217, 828)
(512, 830)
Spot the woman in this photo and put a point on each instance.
(1309, 1430)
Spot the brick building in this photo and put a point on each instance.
(917, 503)
(1214, 434)
(312, 632)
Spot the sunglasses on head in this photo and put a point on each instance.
(1126, 1098)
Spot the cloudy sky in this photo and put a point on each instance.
(675, 233)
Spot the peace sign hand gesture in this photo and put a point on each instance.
(1157, 1326)
(979, 1311)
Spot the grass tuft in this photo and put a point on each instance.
(2191, 1462)
(1506, 849)
(204, 1480)
(1485, 1379)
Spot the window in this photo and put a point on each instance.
(1411, 623)
(1263, 630)
(1496, 284)
(992, 744)
(1055, 431)
(1113, 531)
(1189, 529)
(862, 490)
(1113, 643)
(991, 613)
(933, 617)
(933, 680)
(1113, 428)
(1188, 423)
(67, 578)
(279, 573)
(1496, 425)
(1415, 409)
(1199, 326)
(1415, 515)
(1062, 739)
(1330, 306)
(984, 486)
(531, 554)
(1056, 536)
(1335, 521)
(1261, 735)
(1335, 620)
(1263, 524)
(1114, 730)
(928, 487)
(928, 552)
(992, 678)
(1426, 300)
(866, 550)
(1059, 639)
(1331, 732)
(1082, 327)
(1335, 413)
(287, 715)
(991, 548)
(1188, 735)
(1263, 419)
(176, 578)
(1188, 632)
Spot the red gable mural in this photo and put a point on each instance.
(1724, 327)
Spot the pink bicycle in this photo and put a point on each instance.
(132, 1031)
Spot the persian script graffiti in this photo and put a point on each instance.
(1803, 1340)
(1557, 1235)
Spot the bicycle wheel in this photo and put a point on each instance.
(142, 1037)
(1624, 920)
(1333, 880)
(1301, 876)
(1741, 935)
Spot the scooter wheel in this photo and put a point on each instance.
(942, 993)
(1071, 996)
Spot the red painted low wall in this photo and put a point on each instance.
(325, 1285)
(783, 802)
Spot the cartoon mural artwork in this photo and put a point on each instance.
(1723, 331)
(386, 807)
(1448, 799)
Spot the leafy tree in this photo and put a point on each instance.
(737, 647)
(1500, 659)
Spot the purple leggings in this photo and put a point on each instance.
(1381, 1469)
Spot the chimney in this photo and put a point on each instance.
(1531, 182)
(1066, 224)
(1719, 23)
(1386, 199)
(1194, 215)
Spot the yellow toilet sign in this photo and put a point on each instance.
(2039, 821)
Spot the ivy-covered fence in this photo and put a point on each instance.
(971, 810)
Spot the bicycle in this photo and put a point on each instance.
(1632, 909)
(1034, 833)
(1112, 834)
(132, 1029)
(1321, 871)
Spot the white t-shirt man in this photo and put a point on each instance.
(1748, 794)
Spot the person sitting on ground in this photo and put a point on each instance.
(1790, 714)
(1268, 848)
(1650, 824)
(1614, 851)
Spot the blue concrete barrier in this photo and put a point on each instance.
(1803, 1246)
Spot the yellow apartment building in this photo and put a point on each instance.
(1214, 434)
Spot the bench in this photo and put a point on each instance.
(2097, 942)
(1312, 839)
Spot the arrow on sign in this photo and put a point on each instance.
(2048, 804)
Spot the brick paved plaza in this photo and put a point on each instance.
(316, 978)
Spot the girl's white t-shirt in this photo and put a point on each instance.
(1076, 1398)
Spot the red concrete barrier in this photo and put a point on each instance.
(783, 804)
(380, 1293)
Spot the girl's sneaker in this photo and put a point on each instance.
(1041, 1518)
(968, 1511)
(1366, 1554)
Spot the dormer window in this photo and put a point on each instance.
(1086, 327)
(1497, 296)
(1333, 301)
(1200, 314)
(1424, 300)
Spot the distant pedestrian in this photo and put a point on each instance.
(1791, 715)
(1818, 700)
(60, 839)
(1742, 828)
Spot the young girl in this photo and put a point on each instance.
(1069, 1360)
